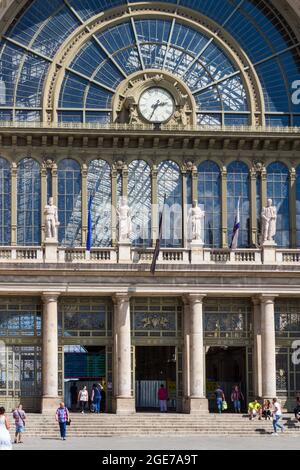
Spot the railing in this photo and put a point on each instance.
(148, 127)
(173, 256)
(72, 255)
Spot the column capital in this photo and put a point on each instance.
(194, 298)
(48, 297)
(120, 297)
(265, 298)
(256, 300)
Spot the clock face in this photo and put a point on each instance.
(156, 105)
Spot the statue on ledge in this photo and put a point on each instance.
(124, 219)
(268, 222)
(195, 222)
(51, 220)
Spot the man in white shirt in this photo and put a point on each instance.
(276, 417)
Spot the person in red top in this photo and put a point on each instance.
(163, 396)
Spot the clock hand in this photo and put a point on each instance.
(154, 106)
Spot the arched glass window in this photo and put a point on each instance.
(238, 186)
(69, 203)
(5, 201)
(28, 202)
(139, 200)
(169, 184)
(278, 191)
(298, 206)
(99, 188)
(209, 194)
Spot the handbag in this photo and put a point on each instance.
(68, 422)
(224, 405)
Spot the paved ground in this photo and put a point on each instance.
(159, 443)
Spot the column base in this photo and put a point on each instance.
(197, 405)
(124, 406)
(50, 404)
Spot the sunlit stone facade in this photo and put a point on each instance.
(222, 129)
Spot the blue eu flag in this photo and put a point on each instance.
(89, 225)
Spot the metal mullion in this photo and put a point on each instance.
(95, 39)
(95, 82)
(169, 41)
(216, 82)
(137, 41)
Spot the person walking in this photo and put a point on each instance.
(5, 441)
(297, 409)
(277, 414)
(62, 416)
(220, 397)
(96, 398)
(236, 398)
(162, 395)
(19, 417)
(83, 398)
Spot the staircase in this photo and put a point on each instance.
(151, 424)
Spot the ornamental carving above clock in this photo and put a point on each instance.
(150, 97)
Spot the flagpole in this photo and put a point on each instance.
(158, 240)
(236, 228)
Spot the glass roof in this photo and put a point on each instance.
(30, 44)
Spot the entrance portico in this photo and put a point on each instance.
(194, 324)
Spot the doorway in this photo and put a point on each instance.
(155, 365)
(83, 365)
(226, 366)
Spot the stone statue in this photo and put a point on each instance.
(268, 222)
(195, 222)
(133, 115)
(51, 220)
(124, 217)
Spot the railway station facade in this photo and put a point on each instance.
(155, 102)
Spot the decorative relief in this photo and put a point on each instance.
(154, 321)
(126, 100)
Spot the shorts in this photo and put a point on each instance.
(20, 428)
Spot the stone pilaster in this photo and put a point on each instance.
(49, 353)
(124, 402)
(197, 401)
(268, 354)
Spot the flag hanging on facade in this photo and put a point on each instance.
(236, 228)
(89, 225)
(158, 241)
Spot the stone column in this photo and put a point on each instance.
(50, 353)
(257, 369)
(124, 402)
(268, 355)
(197, 401)
(186, 355)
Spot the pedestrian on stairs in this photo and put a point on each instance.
(96, 398)
(277, 414)
(5, 442)
(83, 398)
(220, 397)
(62, 416)
(163, 397)
(19, 417)
(236, 398)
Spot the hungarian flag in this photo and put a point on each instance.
(236, 228)
(157, 245)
